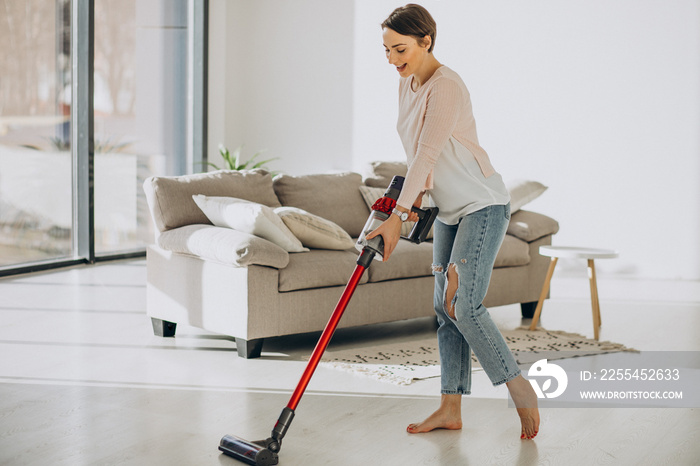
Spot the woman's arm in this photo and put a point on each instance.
(443, 106)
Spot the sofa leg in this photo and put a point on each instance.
(249, 349)
(528, 309)
(163, 328)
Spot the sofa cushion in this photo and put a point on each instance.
(407, 261)
(318, 268)
(513, 252)
(335, 197)
(223, 245)
(379, 174)
(530, 226)
(314, 231)
(170, 197)
(248, 217)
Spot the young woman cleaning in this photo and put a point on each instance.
(437, 128)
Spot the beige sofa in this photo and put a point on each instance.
(241, 285)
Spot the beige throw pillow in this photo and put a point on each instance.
(248, 217)
(314, 231)
(522, 192)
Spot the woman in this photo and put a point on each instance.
(437, 128)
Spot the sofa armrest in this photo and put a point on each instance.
(531, 226)
(223, 245)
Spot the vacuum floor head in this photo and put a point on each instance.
(255, 453)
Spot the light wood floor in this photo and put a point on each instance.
(84, 382)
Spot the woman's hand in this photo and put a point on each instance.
(390, 230)
(412, 216)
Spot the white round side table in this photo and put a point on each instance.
(590, 254)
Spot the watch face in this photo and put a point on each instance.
(402, 215)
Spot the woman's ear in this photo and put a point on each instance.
(426, 42)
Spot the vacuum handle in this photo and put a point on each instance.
(426, 218)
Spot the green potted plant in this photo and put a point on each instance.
(232, 160)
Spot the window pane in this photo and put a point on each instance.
(35, 160)
(140, 112)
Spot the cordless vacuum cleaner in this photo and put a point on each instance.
(265, 452)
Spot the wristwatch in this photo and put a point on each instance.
(402, 215)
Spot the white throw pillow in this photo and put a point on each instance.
(522, 192)
(370, 195)
(314, 231)
(248, 217)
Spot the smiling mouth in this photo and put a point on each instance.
(401, 68)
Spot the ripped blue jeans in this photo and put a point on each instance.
(466, 252)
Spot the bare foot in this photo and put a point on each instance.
(525, 400)
(448, 416)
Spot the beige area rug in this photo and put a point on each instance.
(404, 363)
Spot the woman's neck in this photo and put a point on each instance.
(426, 71)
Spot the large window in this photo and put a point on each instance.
(140, 113)
(36, 215)
(78, 200)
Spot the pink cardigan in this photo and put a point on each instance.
(441, 108)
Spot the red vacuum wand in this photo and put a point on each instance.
(365, 257)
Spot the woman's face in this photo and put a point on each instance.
(404, 52)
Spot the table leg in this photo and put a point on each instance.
(595, 303)
(543, 294)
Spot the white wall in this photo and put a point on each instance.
(281, 81)
(599, 100)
